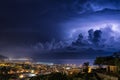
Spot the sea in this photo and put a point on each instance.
(66, 61)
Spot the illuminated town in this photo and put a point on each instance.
(27, 69)
(24, 68)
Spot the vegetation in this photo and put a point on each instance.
(108, 60)
(61, 76)
(85, 65)
(52, 76)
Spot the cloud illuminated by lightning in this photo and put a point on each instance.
(101, 26)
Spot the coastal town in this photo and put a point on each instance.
(104, 68)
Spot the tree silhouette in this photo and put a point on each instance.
(86, 65)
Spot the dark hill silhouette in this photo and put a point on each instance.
(3, 57)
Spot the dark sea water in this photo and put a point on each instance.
(66, 61)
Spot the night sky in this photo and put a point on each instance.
(50, 28)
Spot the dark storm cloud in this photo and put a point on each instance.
(38, 15)
(26, 22)
(101, 4)
(97, 44)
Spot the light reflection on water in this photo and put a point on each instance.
(66, 61)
